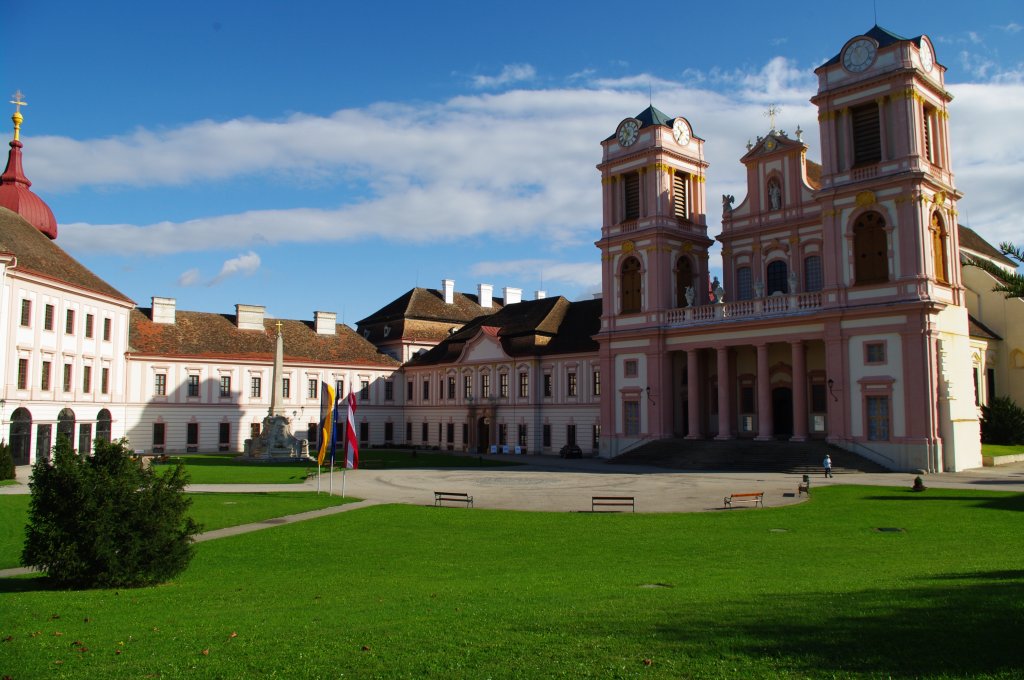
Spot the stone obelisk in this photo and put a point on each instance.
(276, 441)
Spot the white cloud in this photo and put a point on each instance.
(572, 274)
(246, 264)
(1012, 27)
(511, 73)
(189, 278)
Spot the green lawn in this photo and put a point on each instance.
(1001, 450)
(811, 590)
(223, 468)
(8, 482)
(213, 511)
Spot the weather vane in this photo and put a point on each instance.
(18, 101)
(773, 110)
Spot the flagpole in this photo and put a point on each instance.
(332, 476)
(318, 479)
(344, 472)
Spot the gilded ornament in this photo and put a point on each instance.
(865, 198)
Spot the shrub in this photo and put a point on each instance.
(1002, 422)
(6, 462)
(105, 521)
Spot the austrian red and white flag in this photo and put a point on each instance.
(351, 438)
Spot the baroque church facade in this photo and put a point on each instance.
(843, 314)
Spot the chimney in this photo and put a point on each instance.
(484, 292)
(325, 323)
(249, 317)
(163, 310)
(448, 286)
(539, 294)
(513, 296)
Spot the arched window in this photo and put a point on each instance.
(744, 284)
(870, 249)
(103, 420)
(631, 285)
(939, 238)
(684, 280)
(777, 278)
(812, 273)
(774, 194)
(21, 435)
(66, 425)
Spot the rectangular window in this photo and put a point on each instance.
(160, 387)
(502, 434)
(812, 274)
(104, 380)
(679, 180)
(424, 432)
(467, 386)
(485, 385)
(89, 319)
(67, 377)
(878, 418)
(224, 436)
(571, 386)
(86, 379)
(867, 138)
(631, 196)
(364, 390)
(451, 387)
(286, 388)
(389, 390)
(84, 438)
(408, 391)
(254, 430)
(449, 435)
(26, 312)
(524, 384)
(255, 387)
(440, 427)
(503, 385)
(744, 284)
(158, 436)
(990, 384)
(522, 434)
(548, 389)
(193, 386)
(69, 322)
(311, 388)
(225, 386)
(746, 398)
(364, 433)
(408, 433)
(465, 434)
(389, 432)
(977, 386)
(339, 388)
(819, 398)
(570, 434)
(106, 330)
(630, 368)
(874, 352)
(597, 383)
(48, 317)
(22, 374)
(631, 417)
(546, 435)
(192, 437)
(595, 435)
(426, 389)
(44, 381)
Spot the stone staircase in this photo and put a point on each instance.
(743, 455)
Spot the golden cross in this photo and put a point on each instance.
(279, 328)
(773, 110)
(18, 101)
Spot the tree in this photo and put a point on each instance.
(105, 521)
(1011, 284)
(7, 470)
(1002, 422)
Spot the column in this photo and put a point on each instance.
(693, 385)
(724, 387)
(765, 426)
(799, 392)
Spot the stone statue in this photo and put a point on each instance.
(793, 280)
(774, 195)
(689, 296)
(717, 289)
(727, 202)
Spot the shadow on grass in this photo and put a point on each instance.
(965, 630)
(1014, 503)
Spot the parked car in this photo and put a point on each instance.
(571, 451)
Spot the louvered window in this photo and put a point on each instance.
(871, 249)
(929, 147)
(867, 138)
(631, 187)
(679, 195)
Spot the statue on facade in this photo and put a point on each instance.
(719, 292)
(727, 202)
(774, 195)
(689, 295)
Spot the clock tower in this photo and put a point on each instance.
(654, 261)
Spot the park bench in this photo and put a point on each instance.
(612, 501)
(757, 498)
(453, 497)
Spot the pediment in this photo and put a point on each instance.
(483, 347)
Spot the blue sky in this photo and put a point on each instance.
(330, 156)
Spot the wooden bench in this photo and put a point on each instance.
(612, 501)
(803, 488)
(453, 497)
(757, 498)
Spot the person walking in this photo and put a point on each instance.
(828, 465)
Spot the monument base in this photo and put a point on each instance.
(275, 444)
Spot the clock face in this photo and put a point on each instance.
(770, 144)
(681, 132)
(628, 132)
(859, 55)
(927, 56)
